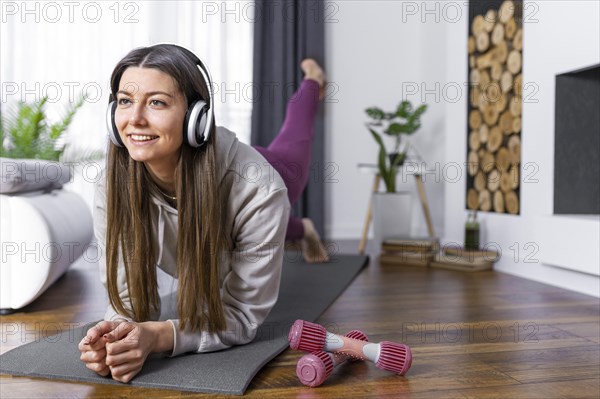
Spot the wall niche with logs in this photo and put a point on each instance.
(495, 48)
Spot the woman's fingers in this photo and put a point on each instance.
(126, 377)
(125, 372)
(94, 334)
(126, 356)
(93, 356)
(128, 343)
(96, 361)
(96, 346)
(119, 332)
(100, 368)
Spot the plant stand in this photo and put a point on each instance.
(376, 182)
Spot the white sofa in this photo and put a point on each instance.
(41, 234)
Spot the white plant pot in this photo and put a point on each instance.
(391, 215)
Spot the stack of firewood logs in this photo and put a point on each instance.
(495, 94)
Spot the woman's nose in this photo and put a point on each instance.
(137, 116)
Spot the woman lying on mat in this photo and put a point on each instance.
(160, 182)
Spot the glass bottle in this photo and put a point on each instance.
(472, 232)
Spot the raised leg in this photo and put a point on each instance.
(290, 155)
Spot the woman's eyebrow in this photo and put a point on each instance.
(152, 93)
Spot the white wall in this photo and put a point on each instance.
(375, 46)
(375, 59)
(556, 39)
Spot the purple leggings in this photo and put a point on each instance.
(290, 151)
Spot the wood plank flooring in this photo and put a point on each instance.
(473, 335)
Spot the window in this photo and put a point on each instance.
(62, 49)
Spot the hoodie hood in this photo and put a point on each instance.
(226, 151)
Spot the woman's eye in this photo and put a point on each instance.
(123, 101)
(157, 103)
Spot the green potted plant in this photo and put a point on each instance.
(26, 133)
(403, 121)
(392, 209)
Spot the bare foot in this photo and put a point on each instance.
(313, 71)
(312, 247)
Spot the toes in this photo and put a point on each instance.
(313, 251)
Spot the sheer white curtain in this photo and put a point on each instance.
(61, 49)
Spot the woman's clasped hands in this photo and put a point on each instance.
(120, 348)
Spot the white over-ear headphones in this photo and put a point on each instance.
(198, 118)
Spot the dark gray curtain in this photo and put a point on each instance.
(286, 32)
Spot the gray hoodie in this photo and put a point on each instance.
(256, 223)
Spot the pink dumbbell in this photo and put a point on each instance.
(311, 337)
(314, 368)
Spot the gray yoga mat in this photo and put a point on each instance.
(306, 291)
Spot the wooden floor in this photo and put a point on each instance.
(473, 335)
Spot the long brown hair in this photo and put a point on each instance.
(200, 241)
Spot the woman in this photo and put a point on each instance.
(177, 200)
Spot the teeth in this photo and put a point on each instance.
(137, 137)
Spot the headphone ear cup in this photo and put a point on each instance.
(113, 132)
(196, 125)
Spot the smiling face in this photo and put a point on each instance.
(149, 116)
